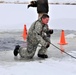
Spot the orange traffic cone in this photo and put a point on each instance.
(24, 32)
(62, 39)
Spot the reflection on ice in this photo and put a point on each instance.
(9, 40)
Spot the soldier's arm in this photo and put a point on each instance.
(47, 30)
(38, 28)
(38, 31)
(47, 33)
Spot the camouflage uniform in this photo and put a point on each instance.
(36, 35)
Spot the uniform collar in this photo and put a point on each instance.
(40, 21)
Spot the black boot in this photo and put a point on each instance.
(42, 56)
(16, 50)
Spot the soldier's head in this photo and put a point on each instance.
(45, 18)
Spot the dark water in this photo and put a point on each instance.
(8, 40)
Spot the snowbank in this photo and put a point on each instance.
(70, 36)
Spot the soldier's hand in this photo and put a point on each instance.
(51, 31)
(32, 4)
(28, 6)
(48, 44)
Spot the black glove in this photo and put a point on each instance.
(51, 31)
(29, 6)
(47, 45)
(32, 4)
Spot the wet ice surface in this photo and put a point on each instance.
(8, 41)
(58, 63)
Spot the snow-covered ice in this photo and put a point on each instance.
(14, 17)
(70, 36)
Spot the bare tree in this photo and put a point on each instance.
(26, 2)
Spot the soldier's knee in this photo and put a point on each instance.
(22, 52)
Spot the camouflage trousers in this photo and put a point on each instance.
(29, 52)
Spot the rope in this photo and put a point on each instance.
(63, 51)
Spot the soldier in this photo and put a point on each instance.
(42, 6)
(38, 33)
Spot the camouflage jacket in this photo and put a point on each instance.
(37, 32)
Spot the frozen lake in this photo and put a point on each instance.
(14, 16)
(9, 39)
(58, 63)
